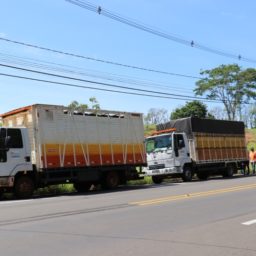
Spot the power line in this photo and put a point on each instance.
(92, 88)
(35, 63)
(137, 25)
(162, 95)
(98, 60)
(186, 97)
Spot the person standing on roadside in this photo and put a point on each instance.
(252, 157)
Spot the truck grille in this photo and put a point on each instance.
(156, 166)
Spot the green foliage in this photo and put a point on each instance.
(75, 105)
(252, 116)
(191, 109)
(250, 138)
(94, 103)
(55, 189)
(149, 129)
(146, 180)
(229, 84)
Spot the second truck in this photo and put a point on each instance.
(184, 147)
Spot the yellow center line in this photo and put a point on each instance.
(193, 195)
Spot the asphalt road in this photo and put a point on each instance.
(215, 217)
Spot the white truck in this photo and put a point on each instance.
(184, 147)
(42, 145)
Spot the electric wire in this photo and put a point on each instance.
(98, 60)
(108, 84)
(34, 63)
(92, 88)
(141, 92)
(127, 21)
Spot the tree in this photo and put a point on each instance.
(229, 84)
(191, 109)
(156, 116)
(95, 103)
(251, 116)
(75, 105)
(218, 113)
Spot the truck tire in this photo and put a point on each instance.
(187, 174)
(203, 175)
(157, 179)
(24, 187)
(82, 187)
(229, 172)
(111, 180)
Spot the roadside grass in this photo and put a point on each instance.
(69, 188)
(55, 190)
(144, 181)
(47, 191)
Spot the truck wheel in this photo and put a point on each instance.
(111, 180)
(229, 172)
(202, 175)
(157, 179)
(82, 187)
(187, 174)
(24, 187)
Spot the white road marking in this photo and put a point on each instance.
(16, 202)
(250, 222)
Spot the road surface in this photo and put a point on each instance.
(214, 217)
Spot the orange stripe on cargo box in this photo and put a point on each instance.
(60, 155)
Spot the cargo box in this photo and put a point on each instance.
(62, 138)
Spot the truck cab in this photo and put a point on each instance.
(15, 156)
(167, 155)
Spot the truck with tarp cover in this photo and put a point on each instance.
(42, 145)
(189, 146)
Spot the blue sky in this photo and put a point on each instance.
(225, 25)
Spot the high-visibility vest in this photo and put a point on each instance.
(252, 156)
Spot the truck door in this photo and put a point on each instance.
(180, 149)
(12, 156)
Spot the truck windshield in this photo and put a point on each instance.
(158, 143)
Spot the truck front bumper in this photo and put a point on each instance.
(162, 171)
(6, 182)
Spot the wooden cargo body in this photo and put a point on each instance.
(61, 138)
(212, 140)
(209, 147)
